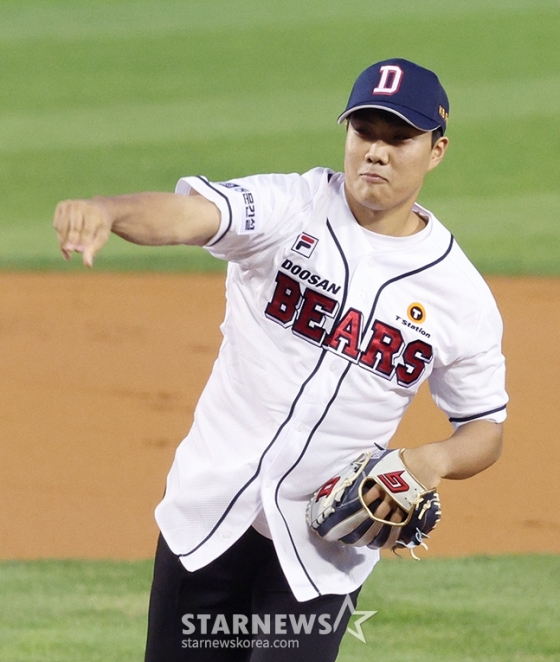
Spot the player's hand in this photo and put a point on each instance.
(425, 463)
(387, 506)
(82, 226)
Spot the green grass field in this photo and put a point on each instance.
(499, 609)
(103, 96)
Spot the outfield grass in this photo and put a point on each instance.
(102, 96)
(483, 609)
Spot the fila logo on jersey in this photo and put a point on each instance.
(390, 80)
(305, 244)
(394, 481)
(386, 353)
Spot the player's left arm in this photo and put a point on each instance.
(472, 448)
(388, 499)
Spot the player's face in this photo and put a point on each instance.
(385, 163)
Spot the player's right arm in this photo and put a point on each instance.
(149, 219)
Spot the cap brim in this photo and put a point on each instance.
(417, 120)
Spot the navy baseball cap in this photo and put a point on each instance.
(403, 88)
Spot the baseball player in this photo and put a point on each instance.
(343, 296)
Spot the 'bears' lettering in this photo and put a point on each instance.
(283, 307)
(307, 311)
(345, 339)
(415, 357)
(385, 345)
(314, 308)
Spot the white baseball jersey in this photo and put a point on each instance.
(329, 331)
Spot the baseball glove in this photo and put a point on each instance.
(338, 512)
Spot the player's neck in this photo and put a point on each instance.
(395, 222)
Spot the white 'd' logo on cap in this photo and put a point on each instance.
(390, 81)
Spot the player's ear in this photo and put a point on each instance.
(438, 151)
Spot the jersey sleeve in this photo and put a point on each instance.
(257, 212)
(472, 387)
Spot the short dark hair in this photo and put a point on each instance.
(436, 135)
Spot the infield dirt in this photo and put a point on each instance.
(100, 376)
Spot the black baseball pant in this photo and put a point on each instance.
(239, 608)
